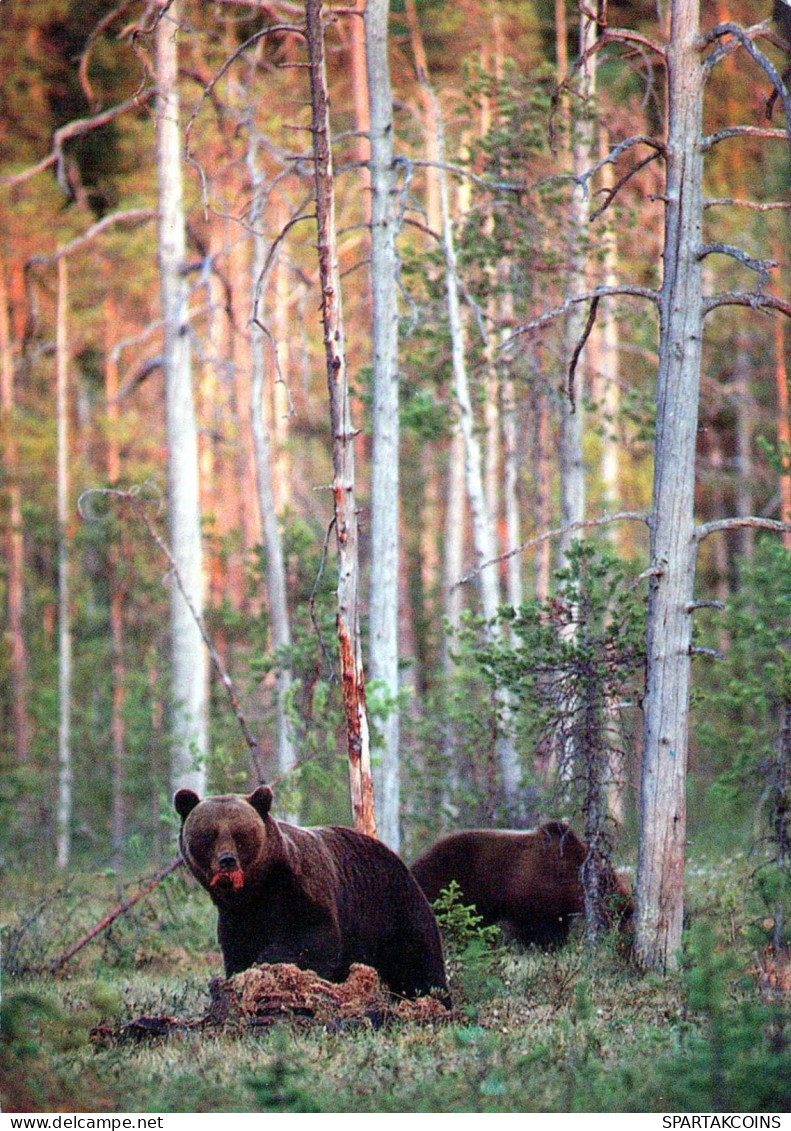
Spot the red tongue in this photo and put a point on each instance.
(236, 878)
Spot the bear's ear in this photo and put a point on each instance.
(184, 802)
(261, 800)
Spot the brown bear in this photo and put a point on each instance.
(527, 882)
(320, 898)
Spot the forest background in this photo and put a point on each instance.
(520, 425)
(523, 435)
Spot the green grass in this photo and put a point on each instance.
(560, 1031)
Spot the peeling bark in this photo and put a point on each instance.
(348, 614)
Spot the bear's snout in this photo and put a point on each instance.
(227, 862)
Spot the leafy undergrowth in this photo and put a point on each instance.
(560, 1031)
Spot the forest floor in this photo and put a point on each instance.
(566, 1030)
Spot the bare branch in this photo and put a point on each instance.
(549, 316)
(744, 38)
(622, 146)
(130, 216)
(110, 918)
(754, 205)
(754, 521)
(578, 350)
(98, 30)
(135, 497)
(77, 128)
(762, 267)
(753, 299)
(608, 36)
(742, 131)
(583, 524)
(610, 159)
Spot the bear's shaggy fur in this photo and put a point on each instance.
(527, 882)
(320, 898)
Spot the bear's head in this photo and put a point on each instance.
(227, 842)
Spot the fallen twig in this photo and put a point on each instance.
(121, 909)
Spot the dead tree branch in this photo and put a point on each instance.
(550, 316)
(745, 37)
(753, 299)
(129, 216)
(761, 267)
(134, 496)
(583, 524)
(755, 521)
(742, 131)
(71, 130)
(110, 918)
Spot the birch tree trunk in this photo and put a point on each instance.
(277, 589)
(348, 616)
(455, 525)
(384, 595)
(15, 550)
(572, 469)
(64, 804)
(189, 666)
(660, 866)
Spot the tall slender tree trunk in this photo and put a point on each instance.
(606, 337)
(64, 804)
(482, 527)
(572, 468)
(15, 549)
(384, 598)
(189, 665)
(277, 589)
(346, 532)
(118, 664)
(745, 416)
(455, 525)
(660, 866)
(543, 501)
(281, 408)
(783, 425)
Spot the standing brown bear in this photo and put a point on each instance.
(320, 898)
(528, 882)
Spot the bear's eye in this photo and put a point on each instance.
(245, 842)
(201, 843)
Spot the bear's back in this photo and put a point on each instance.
(507, 873)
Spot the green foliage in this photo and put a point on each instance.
(741, 1058)
(569, 659)
(285, 1083)
(473, 952)
(567, 1030)
(745, 727)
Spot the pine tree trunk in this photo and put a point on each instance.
(384, 598)
(64, 805)
(346, 533)
(118, 666)
(660, 868)
(189, 666)
(745, 420)
(783, 426)
(15, 550)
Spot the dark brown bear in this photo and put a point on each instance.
(527, 882)
(320, 898)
